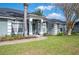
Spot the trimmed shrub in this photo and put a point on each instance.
(7, 38)
(45, 34)
(75, 33)
(60, 34)
(18, 37)
(14, 37)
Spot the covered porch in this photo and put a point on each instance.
(36, 25)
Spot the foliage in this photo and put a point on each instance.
(14, 37)
(60, 34)
(11, 37)
(38, 12)
(71, 11)
(75, 33)
(45, 34)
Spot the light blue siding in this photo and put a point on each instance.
(3, 27)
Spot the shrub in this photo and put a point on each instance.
(11, 37)
(45, 34)
(7, 37)
(14, 37)
(19, 36)
(74, 33)
(60, 34)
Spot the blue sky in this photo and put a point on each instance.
(49, 10)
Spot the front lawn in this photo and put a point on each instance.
(53, 45)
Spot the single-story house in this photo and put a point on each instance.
(11, 22)
(56, 26)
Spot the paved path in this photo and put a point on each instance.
(21, 41)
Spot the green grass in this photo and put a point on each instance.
(53, 45)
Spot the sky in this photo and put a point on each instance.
(51, 11)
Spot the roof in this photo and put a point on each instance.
(34, 15)
(51, 21)
(9, 12)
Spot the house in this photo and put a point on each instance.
(56, 26)
(11, 22)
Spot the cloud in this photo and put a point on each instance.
(49, 7)
(55, 16)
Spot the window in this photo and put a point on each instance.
(61, 29)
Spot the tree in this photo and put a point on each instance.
(38, 12)
(71, 13)
(25, 18)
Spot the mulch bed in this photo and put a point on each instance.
(14, 38)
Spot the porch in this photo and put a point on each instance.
(34, 27)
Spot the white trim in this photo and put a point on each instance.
(37, 18)
(41, 32)
(30, 26)
(11, 17)
(9, 28)
(55, 29)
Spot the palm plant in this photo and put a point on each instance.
(25, 18)
(38, 12)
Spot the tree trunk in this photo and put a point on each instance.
(25, 19)
(69, 31)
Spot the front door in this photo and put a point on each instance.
(36, 27)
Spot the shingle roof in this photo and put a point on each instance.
(10, 12)
(55, 21)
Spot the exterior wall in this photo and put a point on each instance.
(54, 29)
(3, 27)
(61, 28)
(44, 27)
(51, 29)
(76, 28)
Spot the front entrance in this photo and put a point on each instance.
(36, 27)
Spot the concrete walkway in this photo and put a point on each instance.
(21, 41)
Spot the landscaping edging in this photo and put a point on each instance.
(21, 41)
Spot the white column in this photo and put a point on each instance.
(55, 29)
(41, 28)
(30, 26)
(45, 28)
(9, 27)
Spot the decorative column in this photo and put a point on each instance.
(9, 27)
(41, 28)
(55, 29)
(30, 26)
